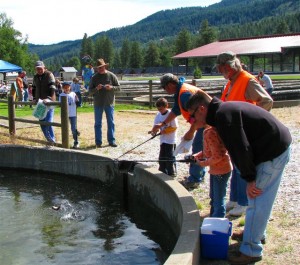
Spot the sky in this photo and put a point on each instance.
(49, 22)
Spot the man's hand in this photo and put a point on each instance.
(252, 191)
(108, 87)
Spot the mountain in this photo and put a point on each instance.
(232, 18)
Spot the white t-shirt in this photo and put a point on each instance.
(71, 102)
(169, 138)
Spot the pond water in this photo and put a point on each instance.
(50, 219)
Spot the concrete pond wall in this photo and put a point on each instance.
(175, 203)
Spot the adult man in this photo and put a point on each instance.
(241, 86)
(182, 92)
(103, 86)
(19, 86)
(265, 81)
(43, 87)
(259, 146)
(25, 85)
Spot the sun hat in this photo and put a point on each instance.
(101, 63)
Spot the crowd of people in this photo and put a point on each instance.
(232, 136)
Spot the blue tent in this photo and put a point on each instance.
(6, 67)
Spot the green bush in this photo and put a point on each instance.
(197, 73)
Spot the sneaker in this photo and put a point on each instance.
(243, 259)
(230, 205)
(238, 210)
(113, 145)
(189, 185)
(76, 145)
(98, 145)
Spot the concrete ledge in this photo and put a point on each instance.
(176, 205)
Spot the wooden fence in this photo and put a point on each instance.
(147, 92)
(64, 124)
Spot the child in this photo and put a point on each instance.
(167, 138)
(75, 87)
(220, 167)
(72, 99)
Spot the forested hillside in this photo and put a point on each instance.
(228, 19)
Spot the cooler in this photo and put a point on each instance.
(214, 238)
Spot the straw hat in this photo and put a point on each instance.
(101, 63)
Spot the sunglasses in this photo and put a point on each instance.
(194, 112)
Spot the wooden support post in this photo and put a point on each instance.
(64, 115)
(150, 94)
(11, 115)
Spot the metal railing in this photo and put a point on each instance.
(12, 119)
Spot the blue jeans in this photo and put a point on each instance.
(268, 177)
(25, 96)
(197, 172)
(73, 123)
(79, 102)
(217, 194)
(166, 153)
(109, 112)
(269, 90)
(48, 130)
(238, 188)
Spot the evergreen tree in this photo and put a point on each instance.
(125, 53)
(183, 41)
(207, 34)
(151, 57)
(87, 48)
(136, 57)
(117, 60)
(282, 27)
(84, 48)
(104, 49)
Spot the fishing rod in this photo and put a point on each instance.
(186, 159)
(139, 145)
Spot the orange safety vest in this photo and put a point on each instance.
(186, 88)
(238, 90)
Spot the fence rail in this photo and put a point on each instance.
(146, 92)
(64, 124)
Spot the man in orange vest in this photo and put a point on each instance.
(241, 86)
(182, 92)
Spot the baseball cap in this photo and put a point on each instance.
(65, 83)
(167, 78)
(39, 64)
(226, 57)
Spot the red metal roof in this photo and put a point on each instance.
(247, 46)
